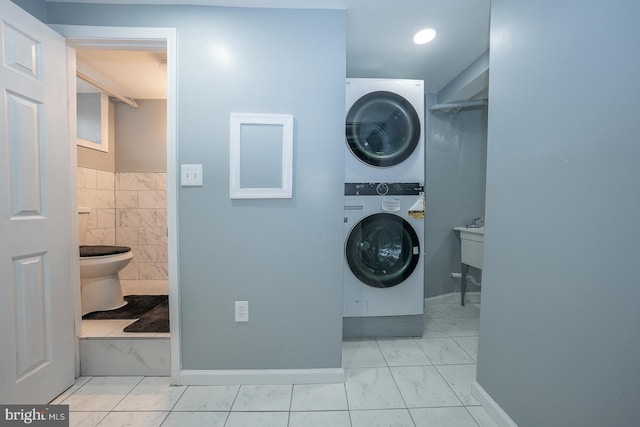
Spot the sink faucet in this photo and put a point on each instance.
(476, 223)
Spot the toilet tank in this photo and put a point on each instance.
(83, 218)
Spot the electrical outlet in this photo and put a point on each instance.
(242, 311)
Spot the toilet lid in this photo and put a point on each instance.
(101, 250)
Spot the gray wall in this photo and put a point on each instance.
(37, 8)
(283, 256)
(559, 337)
(456, 155)
(141, 135)
(88, 117)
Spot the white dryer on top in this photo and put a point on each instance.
(384, 130)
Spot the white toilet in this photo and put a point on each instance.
(99, 267)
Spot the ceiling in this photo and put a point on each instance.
(133, 74)
(379, 40)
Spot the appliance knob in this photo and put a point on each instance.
(382, 189)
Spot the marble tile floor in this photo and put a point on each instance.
(412, 382)
(114, 328)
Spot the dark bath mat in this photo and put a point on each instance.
(154, 320)
(136, 306)
(152, 312)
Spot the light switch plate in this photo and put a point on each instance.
(191, 175)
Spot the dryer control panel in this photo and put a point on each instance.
(383, 189)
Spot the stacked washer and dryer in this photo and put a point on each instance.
(384, 208)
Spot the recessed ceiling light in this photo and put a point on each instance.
(424, 36)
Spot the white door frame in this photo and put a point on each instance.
(132, 37)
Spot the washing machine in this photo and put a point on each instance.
(384, 130)
(383, 260)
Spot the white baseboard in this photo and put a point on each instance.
(261, 376)
(451, 297)
(491, 406)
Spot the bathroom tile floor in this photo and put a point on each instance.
(412, 382)
(114, 328)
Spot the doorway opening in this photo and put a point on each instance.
(143, 213)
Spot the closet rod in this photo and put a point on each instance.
(103, 88)
(459, 105)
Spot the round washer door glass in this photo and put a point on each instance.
(382, 250)
(382, 129)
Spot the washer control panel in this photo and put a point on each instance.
(383, 189)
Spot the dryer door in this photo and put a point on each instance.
(382, 129)
(382, 250)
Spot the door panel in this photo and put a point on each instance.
(20, 51)
(37, 356)
(24, 154)
(30, 317)
(382, 250)
(382, 129)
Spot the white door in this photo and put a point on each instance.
(37, 345)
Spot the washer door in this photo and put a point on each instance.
(382, 250)
(382, 129)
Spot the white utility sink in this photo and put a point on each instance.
(471, 241)
(471, 246)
